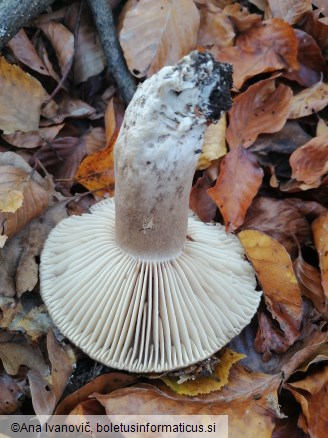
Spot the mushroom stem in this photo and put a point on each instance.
(157, 151)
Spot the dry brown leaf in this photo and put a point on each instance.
(267, 46)
(214, 144)
(21, 99)
(310, 162)
(62, 41)
(215, 28)
(25, 52)
(12, 394)
(89, 59)
(263, 108)
(289, 10)
(103, 384)
(155, 34)
(250, 400)
(240, 16)
(13, 355)
(274, 269)
(309, 280)
(312, 394)
(322, 128)
(200, 201)
(207, 384)
(309, 101)
(33, 139)
(18, 176)
(238, 183)
(320, 230)
(322, 5)
(269, 338)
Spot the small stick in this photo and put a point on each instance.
(104, 21)
(14, 14)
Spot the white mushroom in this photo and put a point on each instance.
(125, 283)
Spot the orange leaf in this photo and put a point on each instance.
(268, 46)
(310, 162)
(96, 172)
(274, 269)
(238, 182)
(155, 34)
(263, 108)
(320, 230)
(215, 27)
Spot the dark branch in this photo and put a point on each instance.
(104, 21)
(14, 14)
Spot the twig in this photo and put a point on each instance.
(14, 14)
(104, 21)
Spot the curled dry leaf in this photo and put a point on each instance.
(269, 338)
(14, 354)
(214, 144)
(216, 29)
(309, 280)
(240, 16)
(320, 230)
(171, 32)
(200, 201)
(23, 190)
(289, 10)
(21, 99)
(207, 384)
(250, 400)
(12, 394)
(33, 139)
(62, 41)
(263, 108)
(238, 183)
(267, 46)
(312, 394)
(310, 162)
(309, 101)
(274, 269)
(25, 52)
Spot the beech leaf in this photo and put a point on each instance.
(214, 144)
(309, 101)
(289, 10)
(238, 182)
(171, 32)
(262, 108)
(320, 230)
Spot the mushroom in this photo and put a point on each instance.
(137, 284)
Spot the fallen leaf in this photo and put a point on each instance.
(238, 182)
(250, 400)
(62, 41)
(214, 145)
(274, 270)
(285, 220)
(204, 385)
(257, 51)
(33, 139)
(322, 128)
(309, 280)
(13, 355)
(89, 59)
(215, 28)
(25, 52)
(241, 17)
(200, 201)
(312, 395)
(171, 33)
(42, 395)
(289, 10)
(310, 162)
(322, 5)
(12, 394)
(320, 229)
(262, 108)
(96, 171)
(21, 99)
(309, 101)
(25, 189)
(103, 384)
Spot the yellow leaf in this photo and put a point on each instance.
(204, 385)
(157, 33)
(322, 128)
(11, 201)
(214, 144)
